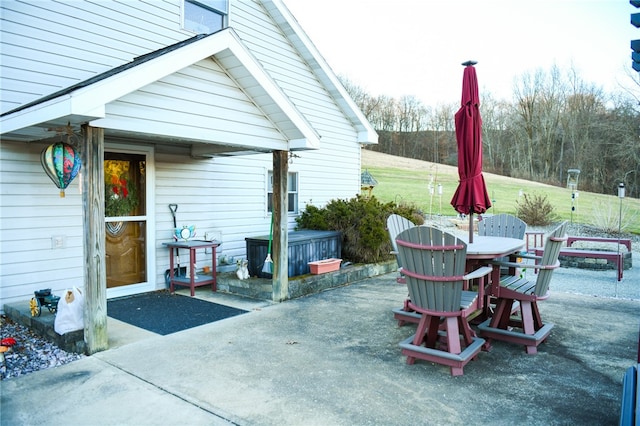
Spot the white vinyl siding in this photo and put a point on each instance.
(227, 195)
(199, 102)
(31, 213)
(334, 170)
(62, 43)
(53, 45)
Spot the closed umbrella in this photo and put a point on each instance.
(471, 195)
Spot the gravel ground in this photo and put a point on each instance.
(30, 353)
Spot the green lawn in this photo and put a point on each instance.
(410, 185)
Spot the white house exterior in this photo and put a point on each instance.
(202, 114)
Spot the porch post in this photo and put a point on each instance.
(280, 278)
(95, 275)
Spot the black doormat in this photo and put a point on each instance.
(165, 313)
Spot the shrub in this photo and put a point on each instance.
(607, 217)
(362, 221)
(536, 210)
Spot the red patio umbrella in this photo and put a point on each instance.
(471, 196)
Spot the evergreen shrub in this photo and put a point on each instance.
(363, 224)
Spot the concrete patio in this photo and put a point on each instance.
(333, 359)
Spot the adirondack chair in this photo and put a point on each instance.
(434, 262)
(527, 327)
(502, 225)
(395, 225)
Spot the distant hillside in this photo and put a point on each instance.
(379, 159)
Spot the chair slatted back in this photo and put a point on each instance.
(395, 225)
(552, 247)
(502, 225)
(433, 264)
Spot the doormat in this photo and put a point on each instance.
(164, 313)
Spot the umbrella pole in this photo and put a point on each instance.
(470, 227)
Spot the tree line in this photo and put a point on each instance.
(554, 122)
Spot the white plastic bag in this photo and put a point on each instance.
(70, 312)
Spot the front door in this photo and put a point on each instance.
(125, 180)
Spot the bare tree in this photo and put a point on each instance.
(555, 122)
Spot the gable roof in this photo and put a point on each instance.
(87, 100)
(137, 61)
(292, 29)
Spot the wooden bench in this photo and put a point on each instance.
(630, 395)
(625, 241)
(592, 254)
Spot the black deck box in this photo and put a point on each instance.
(304, 246)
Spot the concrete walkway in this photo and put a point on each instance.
(333, 359)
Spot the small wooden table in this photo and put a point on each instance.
(192, 281)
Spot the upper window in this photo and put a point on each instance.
(292, 192)
(205, 16)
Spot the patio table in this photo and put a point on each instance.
(486, 248)
(479, 253)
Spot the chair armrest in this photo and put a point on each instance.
(509, 264)
(480, 272)
(525, 255)
(525, 265)
(521, 255)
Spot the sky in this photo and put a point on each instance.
(416, 47)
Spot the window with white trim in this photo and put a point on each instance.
(205, 16)
(292, 192)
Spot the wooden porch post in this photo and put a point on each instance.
(95, 275)
(280, 238)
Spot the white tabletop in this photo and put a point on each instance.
(491, 247)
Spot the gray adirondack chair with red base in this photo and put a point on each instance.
(525, 328)
(502, 225)
(433, 263)
(395, 225)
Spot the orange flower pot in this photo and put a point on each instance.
(324, 266)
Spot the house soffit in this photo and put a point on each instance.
(86, 101)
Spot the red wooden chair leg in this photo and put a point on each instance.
(456, 371)
(537, 319)
(528, 324)
(453, 335)
(527, 317)
(421, 330)
(465, 330)
(432, 332)
(502, 313)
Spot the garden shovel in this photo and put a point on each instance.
(176, 271)
(174, 209)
